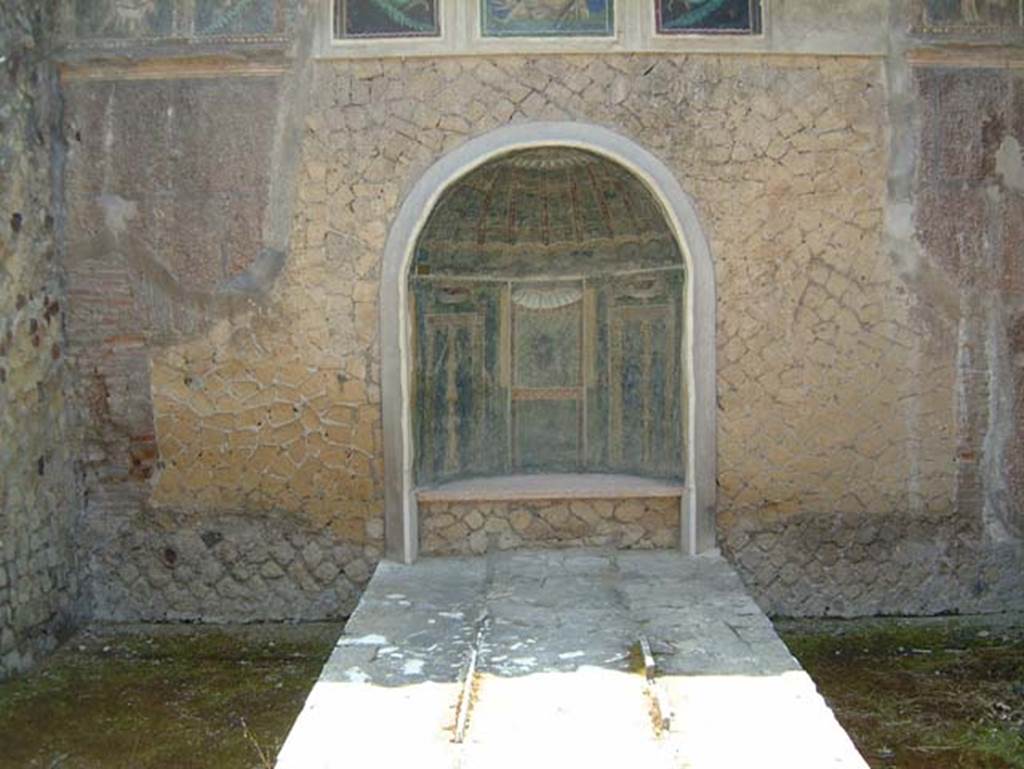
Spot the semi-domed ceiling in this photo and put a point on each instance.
(547, 211)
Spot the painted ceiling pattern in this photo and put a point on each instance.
(546, 210)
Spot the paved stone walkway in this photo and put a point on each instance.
(558, 678)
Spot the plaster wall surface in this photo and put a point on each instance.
(275, 412)
(174, 250)
(224, 315)
(39, 486)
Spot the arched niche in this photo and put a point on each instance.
(398, 315)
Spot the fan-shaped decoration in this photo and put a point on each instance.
(546, 298)
(545, 159)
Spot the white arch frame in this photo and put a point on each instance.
(697, 511)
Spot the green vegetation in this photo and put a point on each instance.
(162, 696)
(921, 694)
(914, 694)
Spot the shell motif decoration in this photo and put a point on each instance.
(546, 298)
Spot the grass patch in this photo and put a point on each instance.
(163, 696)
(921, 694)
(913, 694)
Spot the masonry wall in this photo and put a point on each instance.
(181, 185)
(476, 528)
(224, 317)
(173, 250)
(39, 488)
(953, 239)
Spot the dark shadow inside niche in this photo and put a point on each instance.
(547, 298)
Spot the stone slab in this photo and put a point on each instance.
(550, 486)
(557, 679)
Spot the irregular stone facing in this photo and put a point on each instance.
(473, 528)
(222, 568)
(783, 158)
(372, 132)
(863, 565)
(840, 378)
(268, 423)
(40, 493)
(280, 434)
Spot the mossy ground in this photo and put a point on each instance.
(921, 694)
(163, 696)
(914, 694)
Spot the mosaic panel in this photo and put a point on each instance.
(547, 18)
(122, 21)
(238, 17)
(386, 18)
(717, 16)
(940, 15)
(123, 18)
